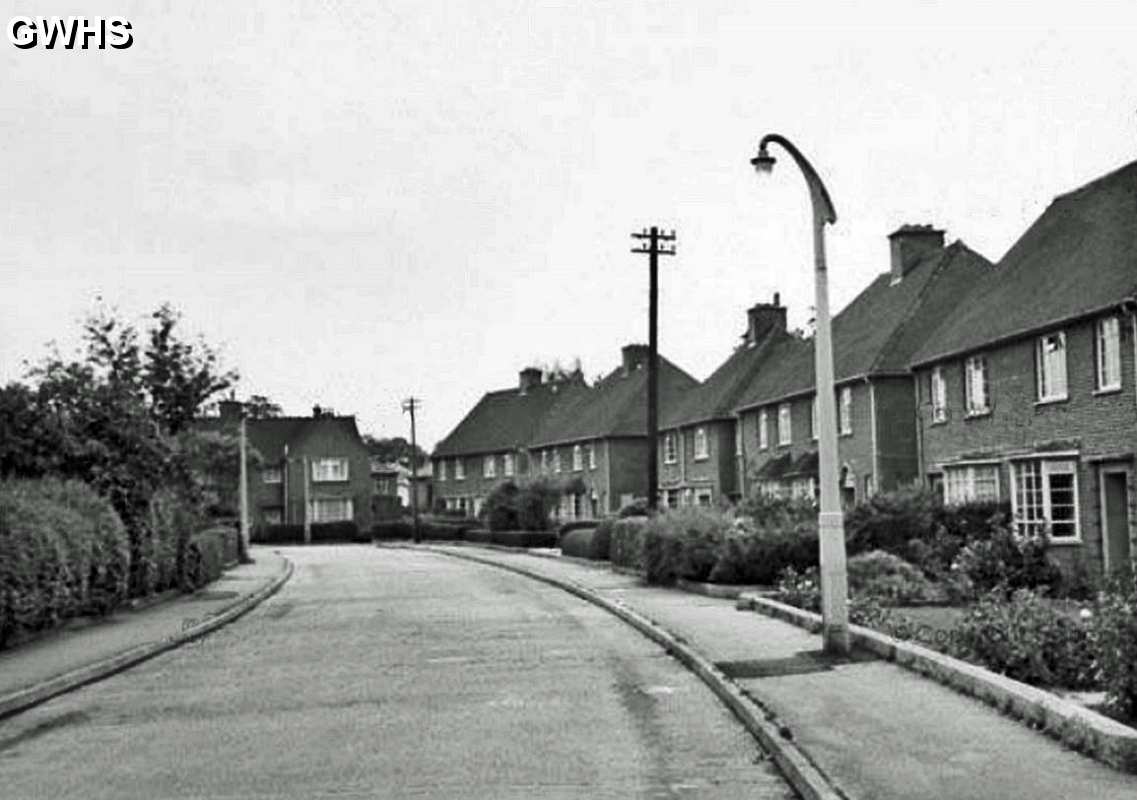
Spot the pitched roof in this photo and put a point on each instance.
(716, 397)
(877, 332)
(506, 419)
(1079, 257)
(269, 435)
(615, 406)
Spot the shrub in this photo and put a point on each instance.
(479, 536)
(1026, 638)
(626, 541)
(346, 531)
(750, 553)
(775, 512)
(799, 589)
(535, 500)
(1114, 634)
(205, 558)
(500, 510)
(636, 508)
(585, 543)
(684, 543)
(524, 538)
(1009, 561)
(170, 522)
(888, 579)
(576, 525)
(429, 530)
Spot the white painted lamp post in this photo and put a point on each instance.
(831, 521)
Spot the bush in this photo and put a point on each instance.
(205, 558)
(585, 543)
(751, 553)
(63, 552)
(775, 512)
(479, 536)
(576, 525)
(429, 530)
(1114, 635)
(626, 541)
(636, 508)
(799, 589)
(684, 543)
(346, 531)
(534, 502)
(1009, 561)
(279, 534)
(500, 510)
(524, 538)
(889, 579)
(1026, 638)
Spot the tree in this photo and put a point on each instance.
(393, 450)
(260, 407)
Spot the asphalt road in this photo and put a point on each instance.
(391, 673)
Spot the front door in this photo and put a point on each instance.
(1115, 519)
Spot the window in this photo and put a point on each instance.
(671, 497)
(669, 449)
(592, 456)
(1050, 360)
(1045, 497)
(441, 470)
(813, 432)
(271, 475)
(763, 430)
(272, 516)
(785, 434)
(459, 470)
(507, 465)
(846, 409)
(577, 458)
(963, 484)
(703, 497)
(975, 394)
(544, 461)
(329, 469)
(556, 460)
(1108, 354)
(331, 509)
(489, 468)
(701, 450)
(938, 391)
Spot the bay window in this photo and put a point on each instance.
(1045, 497)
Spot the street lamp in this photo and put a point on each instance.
(830, 520)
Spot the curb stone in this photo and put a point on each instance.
(1077, 727)
(23, 699)
(803, 774)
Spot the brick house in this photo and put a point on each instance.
(597, 440)
(314, 465)
(491, 442)
(1028, 392)
(698, 455)
(873, 340)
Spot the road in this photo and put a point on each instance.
(394, 673)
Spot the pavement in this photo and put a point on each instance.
(874, 729)
(69, 658)
(394, 673)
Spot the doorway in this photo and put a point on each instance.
(1115, 520)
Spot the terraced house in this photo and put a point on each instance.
(1028, 391)
(491, 443)
(597, 441)
(698, 452)
(874, 338)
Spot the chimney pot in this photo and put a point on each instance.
(764, 319)
(634, 356)
(528, 378)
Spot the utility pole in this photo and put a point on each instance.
(656, 246)
(409, 405)
(243, 489)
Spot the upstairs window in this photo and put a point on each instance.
(813, 424)
(459, 470)
(1050, 363)
(846, 409)
(763, 429)
(1108, 354)
(592, 456)
(556, 460)
(489, 468)
(441, 470)
(271, 475)
(507, 465)
(785, 432)
(329, 469)
(938, 391)
(670, 455)
(577, 458)
(701, 449)
(975, 392)
(544, 461)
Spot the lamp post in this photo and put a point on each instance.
(830, 520)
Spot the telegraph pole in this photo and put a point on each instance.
(656, 243)
(409, 405)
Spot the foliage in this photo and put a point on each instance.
(683, 543)
(394, 450)
(588, 543)
(775, 512)
(524, 538)
(500, 509)
(636, 508)
(626, 541)
(1114, 635)
(429, 530)
(800, 589)
(576, 525)
(205, 558)
(754, 552)
(257, 406)
(63, 552)
(1026, 638)
(1007, 561)
(511, 506)
(159, 556)
(889, 579)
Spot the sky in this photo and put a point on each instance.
(357, 201)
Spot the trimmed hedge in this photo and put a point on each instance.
(404, 529)
(577, 525)
(479, 536)
(322, 533)
(626, 541)
(205, 557)
(524, 538)
(592, 543)
(63, 552)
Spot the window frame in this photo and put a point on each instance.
(1042, 517)
(442, 470)
(1102, 352)
(489, 467)
(970, 407)
(272, 470)
(1045, 383)
(556, 459)
(459, 469)
(786, 431)
(320, 465)
(960, 482)
(845, 416)
(507, 466)
(702, 450)
(577, 458)
(591, 455)
(345, 502)
(814, 420)
(937, 391)
(763, 429)
(670, 448)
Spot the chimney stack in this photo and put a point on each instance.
(528, 378)
(230, 411)
(635, 357)
(765, 319)
(910, 243)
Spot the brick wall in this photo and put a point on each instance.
(716, 472)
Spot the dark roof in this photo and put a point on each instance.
(506, 419)
(615, 406)
(269, 435)
(877, 332)
(1079, 257)
(717, 396)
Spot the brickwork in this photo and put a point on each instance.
(690, 476)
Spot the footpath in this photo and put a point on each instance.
(59, 662)
(874, 730)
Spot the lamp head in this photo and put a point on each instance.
(763, 162)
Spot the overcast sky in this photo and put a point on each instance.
(360, 200)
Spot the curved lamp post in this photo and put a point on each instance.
(831, 522)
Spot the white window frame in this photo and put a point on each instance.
(507, 465)
(331, 470)
(846, 406)
(1050, 367)
(272, 475)
(556, 459)
(976, 387)
(704, 498)
(442, 470)
(459, 470)
(577, 458)
(1033, 515)
(489, 467)
(544, 460)
(1107, 340)
(591, 455)
(785, 425)
(318, 509)
(813, 420)
(670, 448)
(962, 483)
(938, 390)
(763, 430)
(702, 448)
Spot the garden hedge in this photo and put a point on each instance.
(322, 533)
(626, 540)
(433, 531)
(524, 538)
(592, 543)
